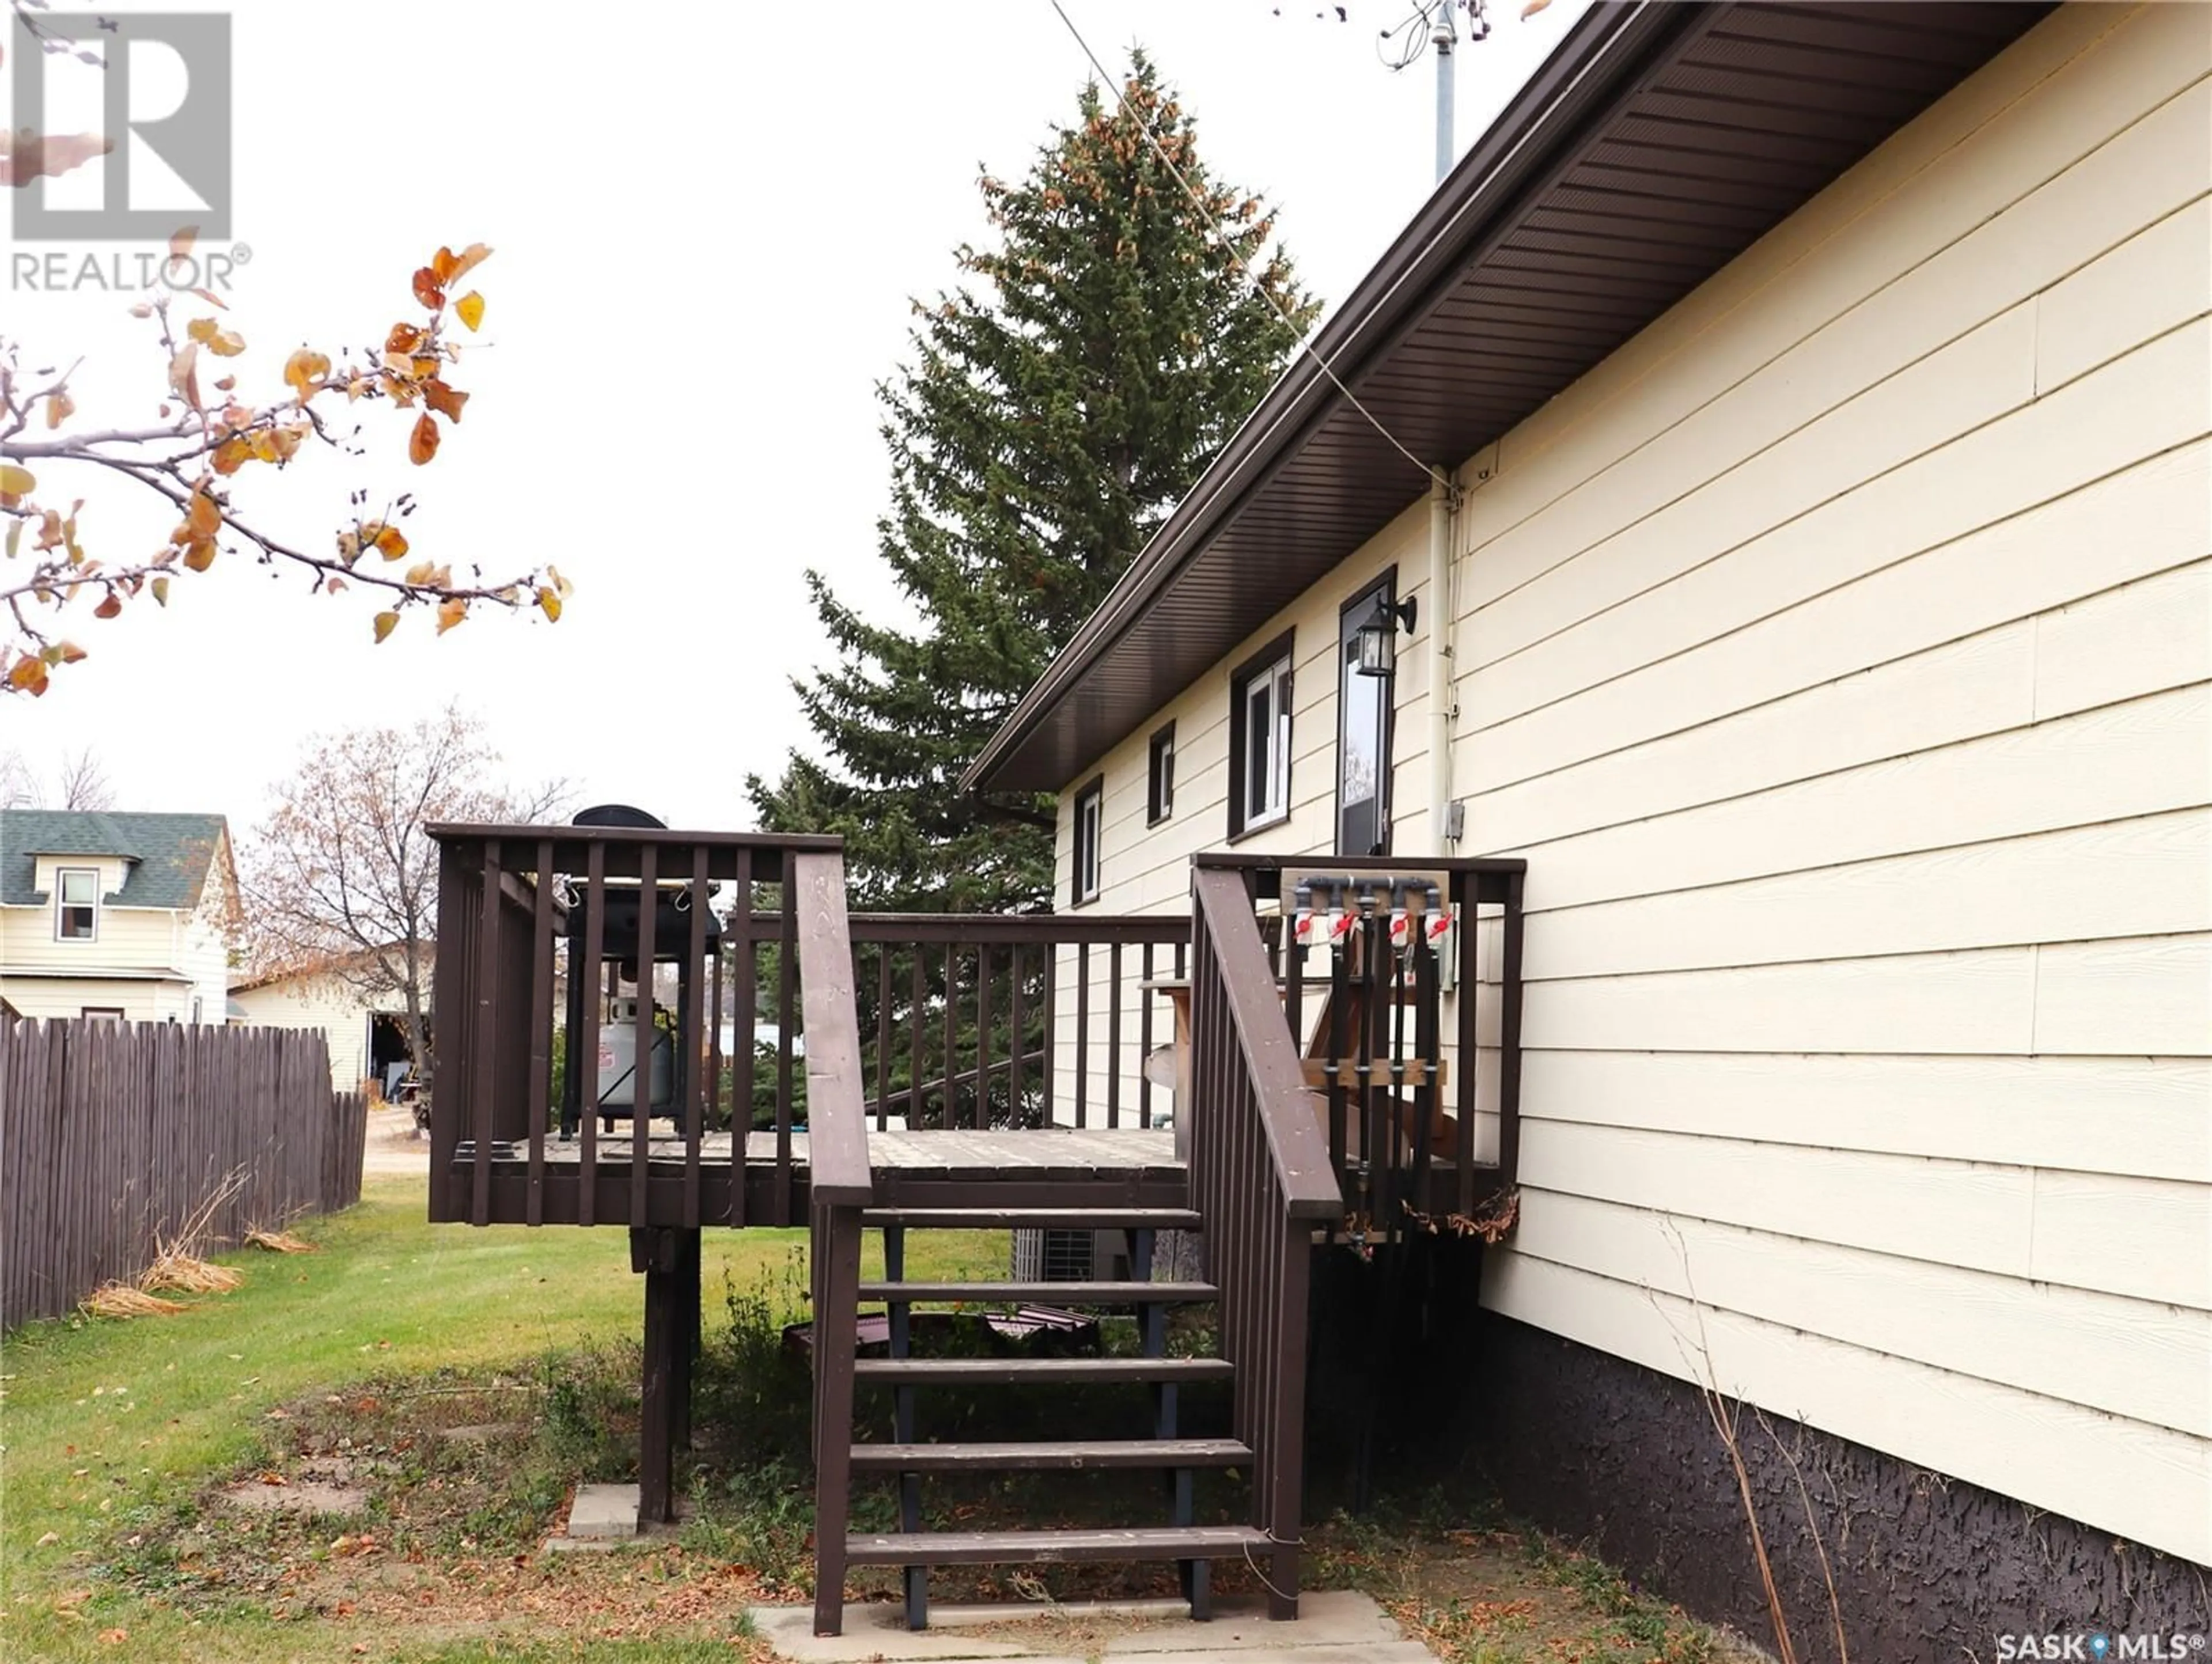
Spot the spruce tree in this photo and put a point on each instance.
(1055, 408)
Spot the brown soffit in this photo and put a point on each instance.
(1657, 143)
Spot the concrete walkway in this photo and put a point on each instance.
(1333, 1627)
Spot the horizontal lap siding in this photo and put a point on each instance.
(1839, 655)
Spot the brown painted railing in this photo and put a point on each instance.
(965, 1024)
(958, 1020)
(1261, 1178)
(1405, 1122)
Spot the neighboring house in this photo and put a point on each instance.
(1826, 614)
(367, 1040)
(113, 915)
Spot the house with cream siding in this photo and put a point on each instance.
(1807, 518)
(361, 1025)
(124, 916)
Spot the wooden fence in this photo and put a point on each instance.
(112, 1135)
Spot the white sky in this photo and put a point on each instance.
(707, 223)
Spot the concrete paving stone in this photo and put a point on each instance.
(1325, 1617)
(875, 1629)
(604, 1510)
(1363, 1652)
(953, 1616)
(1333, 1627)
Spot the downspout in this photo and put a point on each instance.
(1444, 506)
(1443, 834)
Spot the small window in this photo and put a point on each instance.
(1090, 803)
(1259, 742)
(76, 905)
(103, 1013)
(1159, 777)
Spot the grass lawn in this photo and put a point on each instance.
(103, 1420)
(365, 1356)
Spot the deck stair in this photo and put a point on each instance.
(1172, 1536)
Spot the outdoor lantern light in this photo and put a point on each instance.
(1374, 650)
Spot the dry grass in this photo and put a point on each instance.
(175, 1271)
(278, 1241)
(122, 1300)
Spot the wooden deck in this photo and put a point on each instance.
(1061, 1166)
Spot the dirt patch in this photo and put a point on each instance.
(308, 1497)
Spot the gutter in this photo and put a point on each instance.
(1605, 45)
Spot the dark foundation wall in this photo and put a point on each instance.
(1927, 1568)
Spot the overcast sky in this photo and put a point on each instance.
(708, 223)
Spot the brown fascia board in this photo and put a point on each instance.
(1606, 47)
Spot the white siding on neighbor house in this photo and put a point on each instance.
(325, 1003)
(134, 941)
(1837, 653)
(53, 999)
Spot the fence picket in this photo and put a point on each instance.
(112, 1135)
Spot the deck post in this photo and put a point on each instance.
(689, 1313)
(659, 1252)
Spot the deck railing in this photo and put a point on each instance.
(1421, 1138)
(1261, 1180)
(957, 1020)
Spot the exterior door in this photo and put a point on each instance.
(1363, 731)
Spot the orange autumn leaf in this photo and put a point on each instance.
(110, 607)
(451, 611)
(386, 624)
(423, 443)
(199, 555)
(389, 543)
(304, 373)
(59, 405)
(550, 605)
(446, 401)
(427, 289)
(403, 338)
(28, 675)
(466, 262)
(231, 455)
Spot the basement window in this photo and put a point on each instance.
(76, 904)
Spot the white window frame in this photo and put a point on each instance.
(64, 906)
(1273, 807)
(1159, 775)
(1089, 822)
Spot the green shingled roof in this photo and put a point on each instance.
(169, 853)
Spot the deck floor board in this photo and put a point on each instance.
(1041, 1152)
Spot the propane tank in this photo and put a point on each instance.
(617, 1082)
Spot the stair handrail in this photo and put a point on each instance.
(841, 1185)
(1286, 1106)
(1261, 1182)
(836, 1123)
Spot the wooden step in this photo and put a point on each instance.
(1043, 1294)
(1010, 1371)
(1049, 1453)
(1048, 1218)
(945, 1548)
